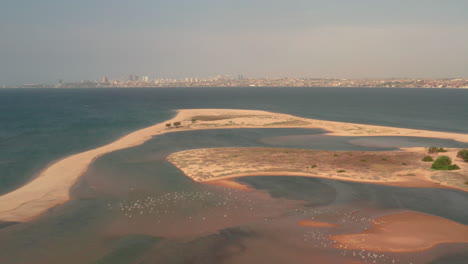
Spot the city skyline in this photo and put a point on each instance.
(51, 40)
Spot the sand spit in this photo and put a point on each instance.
(397, 168)
(404, 232)
(51, 187)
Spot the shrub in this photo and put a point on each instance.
(314, 166)
(444, 163)
(463, 154)
(341, 171)
(435, 150)
(427, 159)
(335, 155)
(404, 163)
(194, 120)
(168, 125)
(176, 124)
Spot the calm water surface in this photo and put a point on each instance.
(134, 207)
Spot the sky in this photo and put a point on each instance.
(43, 41)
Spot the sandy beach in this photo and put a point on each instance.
(51, 186)
(404, 232)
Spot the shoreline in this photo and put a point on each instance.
(51, 187)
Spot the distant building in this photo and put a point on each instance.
(145, 78)
(104, 79)
(131, 77)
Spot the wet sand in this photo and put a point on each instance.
(51, 187)
(404, 232)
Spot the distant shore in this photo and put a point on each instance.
(52, 186)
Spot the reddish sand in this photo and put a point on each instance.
(404, 232)
(230, 184)
(316, 224)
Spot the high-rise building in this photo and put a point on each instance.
(145, 78)
(104, 79)
(131, 77)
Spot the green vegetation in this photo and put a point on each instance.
(176, 124)
(168, 125)
(341, 171)
(444, 163)
(463, 154)
(314, 166)
(335, 155)
(427, 159)
(435, 150)
(404, 163)
(363, 160)
(384, 159)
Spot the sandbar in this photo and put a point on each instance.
(404, 232)
(51, 187)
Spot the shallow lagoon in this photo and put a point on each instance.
(134, 207)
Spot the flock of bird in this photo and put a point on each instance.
(189, 203)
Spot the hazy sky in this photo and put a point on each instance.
(44, 40)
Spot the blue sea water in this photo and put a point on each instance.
(38, 126)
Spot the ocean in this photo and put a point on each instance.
(134, 207)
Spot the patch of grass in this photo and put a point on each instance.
(466, 182)
(427, 159)
(341, 171)
(404, 163)
(384, 159)
(335, 155)
(313, 166)
(444, 163)
(363, 160)
(410, 174)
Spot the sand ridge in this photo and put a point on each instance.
(52, 185)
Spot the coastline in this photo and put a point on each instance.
(52, 185)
